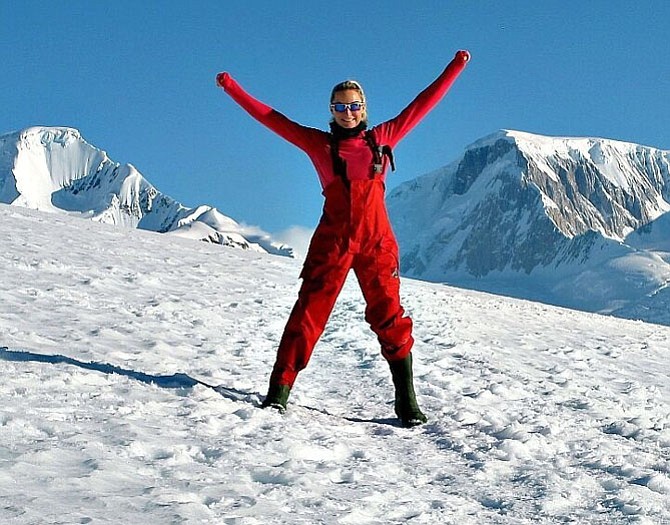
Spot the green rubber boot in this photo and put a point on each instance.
(406, 407)
(277, 397)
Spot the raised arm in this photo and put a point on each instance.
(395, 129)
(292, 131)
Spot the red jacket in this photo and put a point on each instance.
(355, 152)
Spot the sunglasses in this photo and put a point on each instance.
(352, 106)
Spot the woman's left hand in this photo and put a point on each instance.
(463, 55)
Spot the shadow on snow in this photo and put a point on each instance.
(174, 381)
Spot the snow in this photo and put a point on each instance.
(54, 169)
(39, 171)
(612, 157)
(134, 364)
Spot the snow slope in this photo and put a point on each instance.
(537, 414)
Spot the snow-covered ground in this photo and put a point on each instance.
(111, 337)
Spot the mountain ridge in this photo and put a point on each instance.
(54, 169)
(579, 222)
(532, 216)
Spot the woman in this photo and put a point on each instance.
(354, 231)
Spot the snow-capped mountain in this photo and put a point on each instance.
(580, 222)
(55, 169)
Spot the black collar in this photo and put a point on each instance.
(340, 133)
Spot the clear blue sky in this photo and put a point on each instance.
(137, 79)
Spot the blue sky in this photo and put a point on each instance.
(137, 79)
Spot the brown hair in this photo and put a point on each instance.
(345, 86)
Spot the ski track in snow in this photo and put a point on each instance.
(110, 338)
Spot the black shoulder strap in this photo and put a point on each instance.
(339, 164)
(378, 152)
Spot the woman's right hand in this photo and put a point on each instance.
(222, 79)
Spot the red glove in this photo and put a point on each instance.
(463, 55)
(222, 79)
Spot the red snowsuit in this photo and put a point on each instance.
(354, 231)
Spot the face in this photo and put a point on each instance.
(348, 118)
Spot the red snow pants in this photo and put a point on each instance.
(354, 233)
